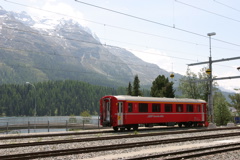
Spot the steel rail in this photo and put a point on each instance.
(194, 155)
(101, 132)
(52, 135)
(108, 147)
(200, 152)
(5, 146)
(73, 133)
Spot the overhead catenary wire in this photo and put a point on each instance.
(125, 29)
(83, 41)
(98, 43)
(189, 5)
(157, 23)
(150, 34)
(105, 25)
(139, 18)
(99, 23)
(77, 57)
(109, 25)
(70, 56)
(227, 6)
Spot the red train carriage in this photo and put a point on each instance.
(130, 111)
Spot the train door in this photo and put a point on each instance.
(106, 111)
(120, 113)
(202, 109)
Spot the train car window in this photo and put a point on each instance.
(119, 108)
(198, 108)
(108, 106)
(156, 108)
(143, 107)
(130, 109)
(179, 107)
(189, 108)
(168, 108)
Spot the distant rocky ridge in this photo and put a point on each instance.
(36, 50)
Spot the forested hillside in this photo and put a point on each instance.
(53, 98)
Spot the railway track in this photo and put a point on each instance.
(5, 146)
(52, 135)
(76, 133)
(110, 147)
(103, 132)
(192, 153)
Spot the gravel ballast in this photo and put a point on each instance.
(124, 153)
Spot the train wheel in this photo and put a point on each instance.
(135, 127)
(115, 129)
(195, 124)
(128, 128)
(188, 124)
(122, 129)
(180, 125)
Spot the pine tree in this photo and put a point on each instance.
(129, 89)
(136, 87)
(161, 87)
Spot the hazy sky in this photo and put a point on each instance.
(169, 33)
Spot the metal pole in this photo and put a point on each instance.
(98, 121)
(66, 125)
(210, 100)
(35, 113)
(7, 127)
(83, 123)
(210, 49)
(35, 104)
(28, 127)
(48, 126)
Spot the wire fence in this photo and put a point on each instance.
(10, 125)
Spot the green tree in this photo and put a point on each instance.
(222, 114)
(129, 89)
(85, 114)
(161, 87)
(54, 98)
(136, 87)
(191, 85)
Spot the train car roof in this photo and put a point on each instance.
(157, 99)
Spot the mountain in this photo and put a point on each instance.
(34, 49)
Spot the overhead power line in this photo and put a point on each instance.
(154, 22)
(44, 34)
(110, 26)
(106, 25)
(229, 18)
(115, 62)
(82, 41)
(99, 23)
(139, 18)
(227, 6)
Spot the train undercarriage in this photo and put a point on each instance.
(179, 124)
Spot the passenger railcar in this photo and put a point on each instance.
(126, 112)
